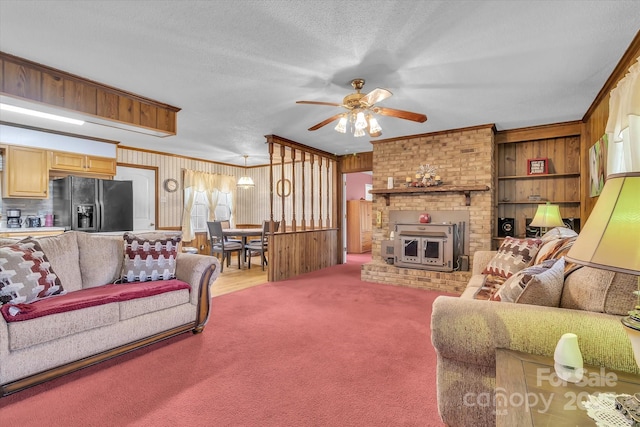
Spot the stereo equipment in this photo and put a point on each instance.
(506, 227)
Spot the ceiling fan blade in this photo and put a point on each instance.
(326, 122)
(375, 96)
(333, 104)
(401, 114)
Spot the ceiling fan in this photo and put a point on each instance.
(360, 109)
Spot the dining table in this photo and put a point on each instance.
(243, 233)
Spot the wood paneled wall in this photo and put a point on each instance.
(595, 120)
(301, 252)
(356, 162)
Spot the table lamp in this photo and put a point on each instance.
(610, 239)
(547, 216)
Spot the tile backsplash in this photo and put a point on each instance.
(26, 206)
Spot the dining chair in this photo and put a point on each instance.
(220, 246)
(260, 246)
(226, 224)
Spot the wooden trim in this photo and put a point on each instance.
(442, 132)
(292, 144)
(55, 132)
(533, 133)
(619, 71)
(164, 153)
(356, 162)
(36, 83)
(35, 379)
(82, 80)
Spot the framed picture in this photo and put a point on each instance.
(538, 166)
(597, 163)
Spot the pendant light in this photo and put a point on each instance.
(245, 181)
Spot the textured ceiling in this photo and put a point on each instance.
(236, 68)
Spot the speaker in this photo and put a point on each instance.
(572, 223)
(531, 231)
(506, 227)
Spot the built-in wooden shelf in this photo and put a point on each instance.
(463, 189)
(542, 176)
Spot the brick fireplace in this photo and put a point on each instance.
(463, 157)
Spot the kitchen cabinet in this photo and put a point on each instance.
(519, 191)
(26, 173)
(359, 226)
(85, 164)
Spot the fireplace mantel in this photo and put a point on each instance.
(464, 189)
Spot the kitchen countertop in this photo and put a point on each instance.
(30, 229)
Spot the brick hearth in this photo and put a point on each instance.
(462, 157)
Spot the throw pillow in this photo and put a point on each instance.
(26, 274)
(557, 249)
(149, 259)
(513, 255)
(540, 284)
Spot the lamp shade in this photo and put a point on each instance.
(610, 239)
(245, 182)
(547, 216)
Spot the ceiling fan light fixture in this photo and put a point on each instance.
(361, 122)
(342, 125)
(374, 127)
(358, 132)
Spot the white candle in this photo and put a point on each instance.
(390, 182)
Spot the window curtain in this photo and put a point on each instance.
(623, 126)
(210, 184)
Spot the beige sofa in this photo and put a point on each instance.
(466, 333)
(42, 348)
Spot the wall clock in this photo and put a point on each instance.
(170, 185)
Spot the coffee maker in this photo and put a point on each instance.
(13, 218)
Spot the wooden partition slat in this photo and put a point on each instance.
(310, 243)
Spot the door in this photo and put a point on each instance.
(144, 195)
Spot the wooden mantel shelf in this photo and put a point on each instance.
(464, 189)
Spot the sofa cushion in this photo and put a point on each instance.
(89, 297)
(151, 258)
(62, 251)
(140, 306)
(26, 274)
(48, 328)
(594, 289)
(539, 284)
(100, 258)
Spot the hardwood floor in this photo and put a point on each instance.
(233, 279)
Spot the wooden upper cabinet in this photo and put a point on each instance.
(26, 173)
(21, 78)
(72, 162)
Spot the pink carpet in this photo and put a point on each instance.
(325, 349)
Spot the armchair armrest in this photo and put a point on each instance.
(199, 271)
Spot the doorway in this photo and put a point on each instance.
(144, 194)
(357, 205)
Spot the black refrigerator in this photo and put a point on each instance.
(91, 204)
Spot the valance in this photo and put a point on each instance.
(623, 126)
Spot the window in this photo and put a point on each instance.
(200, 210)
